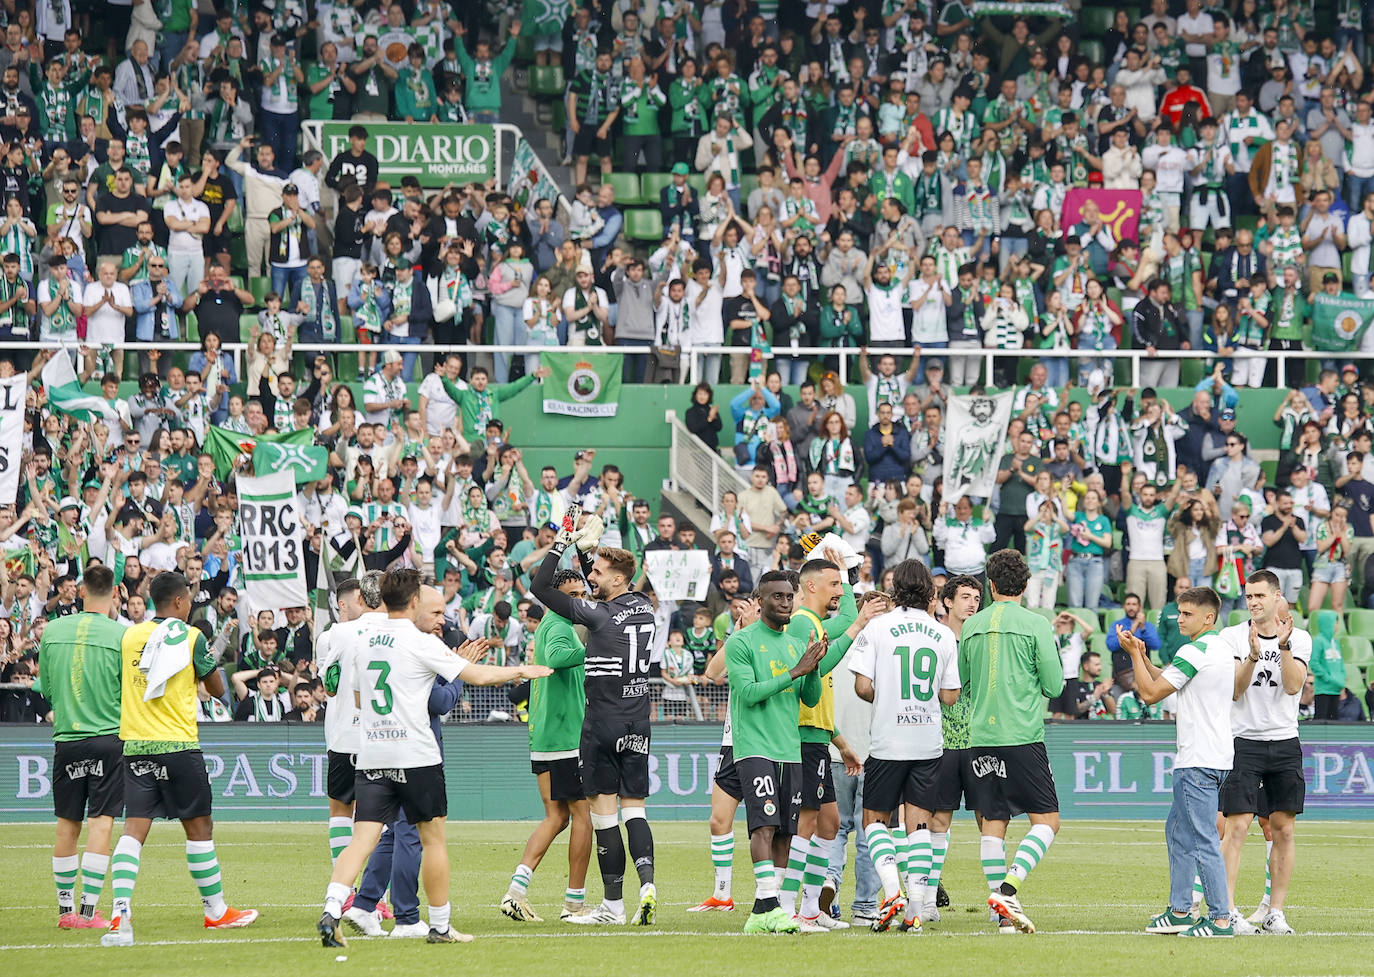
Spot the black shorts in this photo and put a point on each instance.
(614, 758)
(1265, 777)
(1004, 781)
(167, 785)
(586, 142)
(727, 774)
(818, 786)
(565, 778)
(340, 781)
(384, 793)
(888, 784)
(950, 787)
(772, 794)
(88, 778)
(213, 244)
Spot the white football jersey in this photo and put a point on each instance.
(909, 657)
(335, 650)
(1264, 711)
(394, 672)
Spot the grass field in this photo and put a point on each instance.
(1089, 898)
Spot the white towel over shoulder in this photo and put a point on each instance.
(167, 652)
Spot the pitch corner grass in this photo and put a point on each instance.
(1089, 898)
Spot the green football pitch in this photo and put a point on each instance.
(1089, 899)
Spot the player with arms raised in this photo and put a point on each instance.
(614, 748)
(906, 664)
(1008, 660)
(1266, 775)
(400, 767)
(165, 776)
(557, 707)
(771, 674)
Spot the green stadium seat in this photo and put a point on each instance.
(1239, 616)
(259, 287)
(1092, 50)
(749, 182)
(1354, 680)
(524, 49)
(1095, 22)
(1356, 650)
(626, 187)
(697, 181)
(643, 225)
(1047, 613)
(1360, 621)
(1088, 617)
(192, 327)
(246, 323)
(1098, 643)
(546, 81)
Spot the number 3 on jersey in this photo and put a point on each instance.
(918, 672)
(381, 696)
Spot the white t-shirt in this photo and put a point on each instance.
(1204, 673)
(885, 322)
(106, 325)
(1071, 654)
(928, 324)
(863, 524)
(184, 241)
(161, 556)
(909, 657)
(45, 294)
(1264, 711)
(441, 413)
(707, 328)
(338, 646)
(394, 672)
(426, 525)
(1201, 24)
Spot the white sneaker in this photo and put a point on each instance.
(827, 922)
(1277, 924)
(519, 909)
(812, 925)
(409, 931)
(368, 924)
(602, 915)
(121, 932)
(575, 909)
(1239, 925)
(1259, 915)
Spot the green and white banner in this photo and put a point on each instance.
(230, 449)
(435, 153)
(12, 391)
(273, 547)
(1339, 321)
(66, 394)
(307, 462)
(582, 385)
(529, 181)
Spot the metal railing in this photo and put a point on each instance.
(696, 469)
(843, 357)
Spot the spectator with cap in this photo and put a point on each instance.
(678, 205)
(1213, 440)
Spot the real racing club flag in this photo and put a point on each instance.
(66, 394)
(308, 462)
(582, 384)
(228, 447)
(1339, 321)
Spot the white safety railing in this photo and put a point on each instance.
(696, 469)
(844, 367)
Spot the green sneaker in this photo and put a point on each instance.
(1169, 922)
(756, 923)
(648, 905)
(1208, 928)
(781, 921)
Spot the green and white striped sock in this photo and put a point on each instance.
(994, 854)
(817, 859)
(902, 845)
(884, 854)
(124, 873)
(796, 866)
(1268, 854)
(93, 869)
(520, 881)
(64, 871)
(723, 861)
(1197, 890)
(340, 834)
(204, 868)
(575, 898)
(939, 848)
(918, 869)
(1028, 854)
(765, 886)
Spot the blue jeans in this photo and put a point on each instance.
(792, 369)
(287, 283)
(279, 132)
(510, 330)
(395, 862)
(1056, 370)
(486, 118)
(1194, 847)
(849, 793)
(632, 370)
(1194, 317)
(1084, 579)
(407, 359)
(1355, 189)
(1197, 573)
(172, 43)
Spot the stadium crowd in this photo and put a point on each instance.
(887, 179)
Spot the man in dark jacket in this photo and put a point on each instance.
(409, 324)
(677, 204)
(1201, 420)
(1158, 324)
(887, 447)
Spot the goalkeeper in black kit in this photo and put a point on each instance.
(614, 752)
